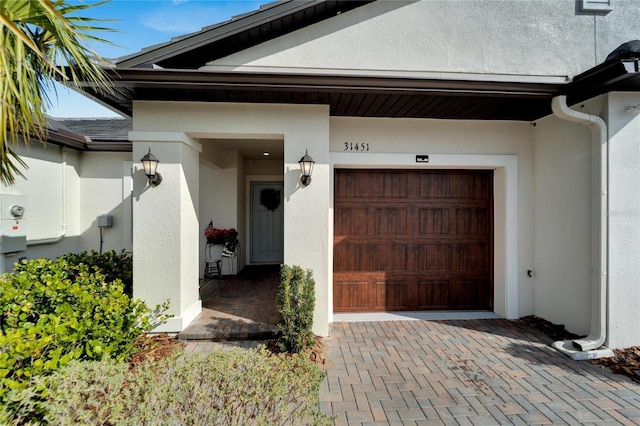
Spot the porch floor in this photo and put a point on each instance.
(240, 307)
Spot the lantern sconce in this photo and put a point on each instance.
(150, 165)
(306, 168)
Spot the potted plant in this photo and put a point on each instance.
(230, 243)
(214, 235)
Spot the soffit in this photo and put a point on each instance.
(346, 95)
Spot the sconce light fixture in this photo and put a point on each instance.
(306, 168)
(150, 164)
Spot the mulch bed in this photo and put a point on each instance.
(157, 347)
(625, 361)
(153, 348)
(319, 352)
(551, 330)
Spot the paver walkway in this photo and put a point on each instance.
(238, 307)
(473, 372)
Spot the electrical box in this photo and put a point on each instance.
(13, 223)
(105, 221)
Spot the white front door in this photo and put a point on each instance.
(267, 222)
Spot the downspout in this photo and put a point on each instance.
(63, 227)
(599, 286)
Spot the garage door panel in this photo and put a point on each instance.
(352, 257)
(469, 185)
(421, 239)
(351, 295)
(472, 258)
(350, 184)
(389, 221)
(351, 221)
(433, 294)
(390, 257)
(472, 221)
(391, 295)
(471, 294)
(434, 221)
(433, 185)
(435, 258)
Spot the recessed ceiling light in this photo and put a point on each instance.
(266, 153)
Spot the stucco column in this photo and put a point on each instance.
(165, 226)
(624, 220)
(307, 233)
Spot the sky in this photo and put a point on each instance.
(139, 24)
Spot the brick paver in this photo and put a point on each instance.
(467, 372)
(237, 308)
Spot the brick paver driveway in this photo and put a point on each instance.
(474, 372)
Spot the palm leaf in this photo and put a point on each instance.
(37, 39)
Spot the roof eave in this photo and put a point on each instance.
(618, 75)
(164, 82)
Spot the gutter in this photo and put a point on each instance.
(591, 347)
(63, 227)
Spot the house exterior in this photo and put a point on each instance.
(82, 172)
(468, 156)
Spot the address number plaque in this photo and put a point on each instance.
(355, 146)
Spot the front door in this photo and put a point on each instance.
(267, 222)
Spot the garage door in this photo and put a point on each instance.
(413, 240)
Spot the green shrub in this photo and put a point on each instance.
(222, 388)
(296, 301)
(52, 312)
(114, 266)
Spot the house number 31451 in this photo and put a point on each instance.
(361, 147)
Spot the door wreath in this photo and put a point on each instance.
(270, 198)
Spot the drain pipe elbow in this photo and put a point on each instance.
(599, 286)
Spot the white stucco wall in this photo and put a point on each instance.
(562, 223)
(534, 38)
(624, 220)
(165, 226)
(566, 186)
(92, 184)
(105, 188)
(220, 201)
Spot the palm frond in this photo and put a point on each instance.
(38, 38)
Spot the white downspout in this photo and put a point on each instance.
(599, 287)
(63, 228)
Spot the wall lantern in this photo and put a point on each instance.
(150, 164)
(306, 168)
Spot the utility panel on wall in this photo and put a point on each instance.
(13, 223)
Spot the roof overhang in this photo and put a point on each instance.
(359, 96)
(62, 137)
(369, 96)
(621, 75)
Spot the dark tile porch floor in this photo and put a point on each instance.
(238, 307)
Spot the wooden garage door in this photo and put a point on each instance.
(413, 240)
